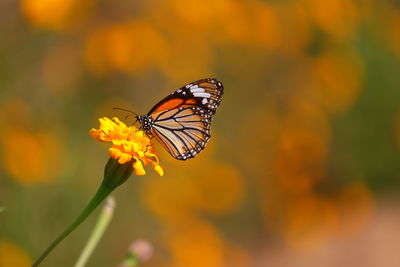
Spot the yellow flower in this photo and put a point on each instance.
(127, 143)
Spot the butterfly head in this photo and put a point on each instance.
(145, 121)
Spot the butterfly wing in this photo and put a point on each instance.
(182, 120)
(205, 93)
(183, 131)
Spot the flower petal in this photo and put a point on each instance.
(127, 142)
(138, 168)
(159, 170)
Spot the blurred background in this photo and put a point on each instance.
(303, 166)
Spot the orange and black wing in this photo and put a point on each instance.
(205, 94)
(182, 120)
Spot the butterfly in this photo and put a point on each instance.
(181, 121)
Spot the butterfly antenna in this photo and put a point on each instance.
(126, 110)
(135, 120)
(127, 116)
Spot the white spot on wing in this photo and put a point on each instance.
(204, 101)
(196, 90)
(206, 95)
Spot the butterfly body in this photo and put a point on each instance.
(181, 121)
(146, 122)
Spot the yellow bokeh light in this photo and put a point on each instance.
(397, 130)
(31, 158)
(295, 29)
(356, 205)
(206, 13)
(239, 28)
(171, 199)
(302, 146)
(310, 222)
(189, 57)
(197, 244)
(53, 14)
(127, 47)
(220, 188)
(300, 159)
(338, 80)
(12, 256)
(266, 25)
(338, 17)
(394, 29)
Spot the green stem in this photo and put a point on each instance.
(115, 174)
(100, 195)
(130, 262)
(98, 231)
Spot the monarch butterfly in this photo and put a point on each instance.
(181, 121)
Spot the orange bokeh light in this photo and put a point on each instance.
(12, 255)
(41, 156)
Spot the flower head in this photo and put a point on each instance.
(127, 143)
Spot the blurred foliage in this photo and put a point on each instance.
(305, 147)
